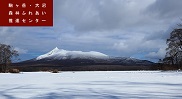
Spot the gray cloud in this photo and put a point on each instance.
(101, 15)
(21, 51)
(166, 8)
(157, 55)
(116, 27)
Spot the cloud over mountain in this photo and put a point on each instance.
(133, 28)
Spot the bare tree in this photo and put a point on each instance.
(174, 49)
(7, 55)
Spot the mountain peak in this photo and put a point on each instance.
(55, 49)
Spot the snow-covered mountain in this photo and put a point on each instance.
(74, 57)
(79, 60)
(64, 54)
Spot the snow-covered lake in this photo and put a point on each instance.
(92, 85)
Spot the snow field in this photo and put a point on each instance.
(89, 85)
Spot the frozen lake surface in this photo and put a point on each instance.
(92, 85)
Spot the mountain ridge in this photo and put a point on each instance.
(60, 55)
(82, 61)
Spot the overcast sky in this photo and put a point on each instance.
(129, 28)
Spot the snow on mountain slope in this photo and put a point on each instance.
(64, 54)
